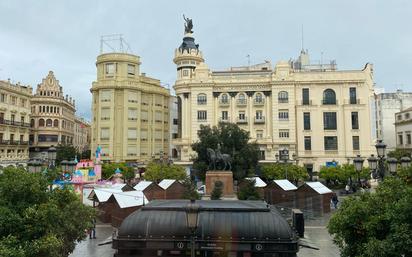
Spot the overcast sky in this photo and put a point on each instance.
(64, 36)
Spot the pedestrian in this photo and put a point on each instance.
(92, 233)
(335, 201)
(347, 188)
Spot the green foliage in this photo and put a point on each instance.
(37, 222)
(217, 191)
(128, 174)
(158, 171)
(190, 189)
(375, 224)
(248, 191)
(108, 170)
(399, 153)
(294, 172)
(65, 152)
(340, 174)
(233, 140)
(405, 174)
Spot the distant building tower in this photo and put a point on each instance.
(130, 111)
(52, 117)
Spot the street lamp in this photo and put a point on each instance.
(358, 162)
(192, 214)
(405, 162)
(284, 157)
(392, 165)
(51, 154)
(64, 165)
(380, 149)
(373, 164)
(34, 166)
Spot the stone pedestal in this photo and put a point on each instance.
(225, 176)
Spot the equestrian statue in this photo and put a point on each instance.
(215, 157)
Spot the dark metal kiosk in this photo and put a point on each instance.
(204, 229)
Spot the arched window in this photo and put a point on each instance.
(32, 123)
(283, 97)
(201, 99)
(49, 123)
(56, 123)
(241, 99)
(224, 99)
(41, 123)
(329, 96)
(258, 98)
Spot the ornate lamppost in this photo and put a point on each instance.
(405, 162)
(381, 149)
(51, 154)
(192, 214)
(358, 162)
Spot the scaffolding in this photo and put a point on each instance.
(114, 43)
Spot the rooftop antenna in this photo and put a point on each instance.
(302, 38)
(248, 60)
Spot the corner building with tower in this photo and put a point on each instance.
(320, 114)
(130, 111)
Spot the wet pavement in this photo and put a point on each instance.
(90, 247)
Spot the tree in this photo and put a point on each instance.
(65, 152)
(108, 170)
(233, 140)
(190, 189)
(158, 171)
(399, 153)
(248, 190)
(340, 175)
(37, 222)
(375, 224)
(217, 191)
(294, 172)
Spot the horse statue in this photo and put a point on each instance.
(217, 157)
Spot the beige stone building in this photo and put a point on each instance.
(14, 123)
(317, 112)
(82, 134)
(130, 111)
(403, 129)
(52, 120)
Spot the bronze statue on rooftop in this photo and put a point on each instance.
(188, 25)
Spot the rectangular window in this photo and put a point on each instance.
(201, 115)
(352, 95)
(13, 99)
(305, 96)
(242, 115)
(131, 150)
(308, 143)
(21, 138)
(283, 133)
(259, 134)
(1, 117)
(104, 133)
(331, 143)
(12, 118)
(306, 120)
(408, 138)
(225, 115)
(185, 73)
(110, 69)
(131, 133)
(261, 154)
(3, 98)
(329, 121)
(400, 139)
(131, 69)
(283, 114)
(132, 97)
(22, 120)
(105, 95)
(355, 142)
(158, 116)
(355, 120)
(105, 114)
(11, 138)
(259, 115)
(143, 135)
(22, 102)
(145, 116)
(175, 122)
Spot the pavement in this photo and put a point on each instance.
(90, 247)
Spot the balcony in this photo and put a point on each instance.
(329, 102)
(353, 101)
(4, 142)
(241, 102)
(259, 102)
(13, 142)
(224, 103)
(15, 123)
(306, 102)
(226, 119)
(259, 120)
(241, 120)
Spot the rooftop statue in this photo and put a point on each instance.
(188, 25)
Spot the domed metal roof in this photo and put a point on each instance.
(188, 43)
(234, 220)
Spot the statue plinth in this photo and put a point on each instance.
(223, 175)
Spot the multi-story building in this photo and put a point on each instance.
(320, 114)
(403, 129)
(82, 134)
(14, 123)
(130, 111)
(386, 106)
(52, 117)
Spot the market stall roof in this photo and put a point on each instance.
(258, 181)
(319, 187)
(130, 199)
(285, 184)
(142, 185)
(102, 194)
(166, 183)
